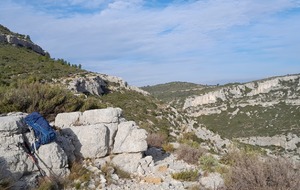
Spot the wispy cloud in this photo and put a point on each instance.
(148, 42)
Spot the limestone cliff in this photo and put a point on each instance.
(268, 92)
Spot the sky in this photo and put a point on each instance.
(148, 42)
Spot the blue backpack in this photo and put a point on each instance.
(43, 132)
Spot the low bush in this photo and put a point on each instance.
(47, 99)
(191, 139)
(249, 171)
(189, 154)
(187, 175)
(79, 175)
(168, 147)
(4, 184)
(5, 181)
(156, 139)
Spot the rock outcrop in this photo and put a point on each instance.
(23, 42)
(98, 84)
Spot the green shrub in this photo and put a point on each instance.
(78, 174)
(208, 163)
(187, 175)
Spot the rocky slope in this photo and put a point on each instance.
(100, 138)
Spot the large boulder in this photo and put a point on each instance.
(63, 120)
(53, 160)
(130, 138)
(90, 141)
(110, 117)
(96, 133)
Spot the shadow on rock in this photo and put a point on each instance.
(70, 143)
(157, 154)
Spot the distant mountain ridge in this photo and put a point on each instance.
(264, 107)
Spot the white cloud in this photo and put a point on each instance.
(138, 42)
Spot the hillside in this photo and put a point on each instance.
(264, 108)
(32, 81)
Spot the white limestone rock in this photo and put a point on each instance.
(108, 115)
(128, 162)
(63, 120)
(130, 138)
(90, 141)
(12, 124)
(53, 159)
(212, 181)
(94, 85)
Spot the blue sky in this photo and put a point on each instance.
(149, 42)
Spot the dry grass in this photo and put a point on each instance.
(187, 175)
(79, 175)
(250, 172)
(156, 139)
(168, 147)
(189, 154)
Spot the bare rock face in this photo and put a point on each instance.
(88, 85)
